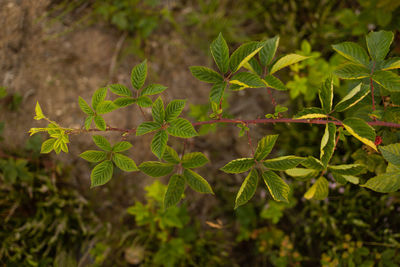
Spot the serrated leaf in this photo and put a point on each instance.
(205, 74)
(156, 168)
(100, 123)
(159, 143)
(384, 183)
(196, 182)
(267, 53)
(174, 109)
(138, 75)
(302, 174)
(378, 44)
(98, 96)
(121, 146)
(286, 61)
(220, 52)
(244, 80)
(153, 89)
(158, 111)
(319, 190)
(102, 142)
(101, 173)
(238, 165)
(391, 64)
(144, 101)
(106, 107)
(124, 163)
(171, 156)
(93, 155)
(243, 54)
(351, 71)
(253, 66)
(175, 188)
(389, 80)
(85, 107)
(247, 189)
(328, 143)
(181, 128)
(353, 97)
(277, 187)
(265, 146)
(346, 169)
(391, 153)
(343, 179)
(325, 94)
(194, 160)
(283, 163)
(352, 52)
(217, 92)
(47, 146)
(120, 90)
(361, 130)
(311, 113)
(147, 127)
(275, 83)
(122, 102)
(88, 122)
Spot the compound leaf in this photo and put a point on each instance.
(171, 156)
(159, 143)
(98, 96)
(238, 165)
(181, 128)
(267, 53)
(147, 127)
(277, 187)
(328, 143)
(83, 105)
(124, 163)
(120, 90)
(121, 146)
(265, 146)
(244, 80)
(247, 189)
(138, 75)
(389, 80)
(47, 146)
(243, 54)
(156, 168)
(217, 91)
(319, 190)
(378, 44)
(283, 163)
(384, 183)
(93, 155)
(206, 75)
(196, 182)
(194, 160)
(361, 130)
(286, 61)
(102, 142)
(220, 52)
(101, 173)
(275, 83)
(153, 89)
(353, 97)
(158, 111)
(175, 188)
(352, 52)
(174, 109)
(100, 123)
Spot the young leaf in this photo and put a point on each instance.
(238, 165)
(325, 94)
(243, 54)
(100, 123)
(388, 80)
(47, 146)
(275, 83)
(378, 44)
(88, 122)
(247, 189)
(174, 109)
(353, 97)
(102, 142)
(244, 80)
(106, 107)
(147, 127)
(283, 163)
(171, 156)
(122, 102)
(194, 160)
(98, 96)
(206, 75)
(328, 143)
(181, 128)
(310, 113)
(220, 52)
(120, 90)
(361, 130)
(159, 143)
(121, 146)
(85, 107)
(138, 75)
(277, 187)
(352, 52)
(175, 188)
(319, 190)
(144, 101)
(93, 155)
(346, 169)
(351, 71)
(158, 111)
(267, 53)
(265, 146)
(156, 168)
(196, 182)
(286, 61)
(391, 64)
(153, 89)
(101, 173)
(384, 183)
(217, 92)
(391, 153)
(124, 163)
(302, 174)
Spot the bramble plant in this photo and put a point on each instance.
(370, 106)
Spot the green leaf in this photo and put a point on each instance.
(85, 107)
(171, 156)
(194, 160)
(312, 163)
(247, 189)
(101, 173)
(319, 190)
(277, 187)
(121, 146)
(388, 80)
(265, 146)
(391, 64)
(220, 52)
(351, 71)
(153, 89)
(360, 130)
(244, 80)
(124, 163)
(158, 111)
(352, 52)
(328, 143)
(384, 183)
(253, 66)
(174, 109)
(175, 188)
(144, 101)
(391, 153)
(378, 44)
(217, 92)
(238, 165)
(120, 90)
(181, 128)
(122, 102)
(138, 75)
(267, 53)
(311, 113)
(98, 96)
(343, 179)
(47, 146)
(196, 182)
(156, 168)
(106, 107)
(100, 123)
(147, 127)
(286, 61)
(243, 54)
(283, 163)
(347, 169)
(325, 94)
(353, 97)
(93, 155)
(275, 83)
(102, 142)
(302, 174)
(159, 143)
(88, 122)
(206, 75)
